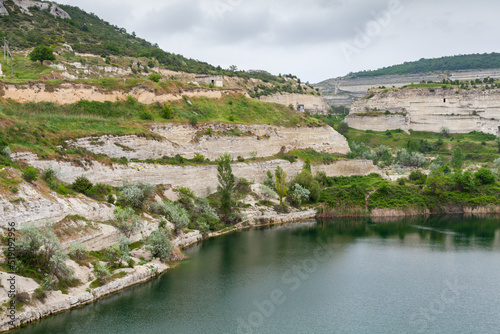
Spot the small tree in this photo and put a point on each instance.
(159, 245)
(226, 186)
(81, 184)
(101, 272)
(30, 174)
(41, 53)
(281, 188)
(126, 221)
(154, 77)
(444, 132)
(136, 193)
(485, 176)
(457, 160)
(342, 128)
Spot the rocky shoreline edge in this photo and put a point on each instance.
(140, 274)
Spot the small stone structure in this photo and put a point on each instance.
(215, 80)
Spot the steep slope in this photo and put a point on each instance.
(352, 87)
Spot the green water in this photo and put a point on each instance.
(435, 275)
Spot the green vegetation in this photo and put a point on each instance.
(44, 127)
(41, 53)
(452, 63)
(87, 33)
(440, 192)
(40, 256)
(374, 145)
(159, 245)
(226, 187)
(281, 186)
(30, 174)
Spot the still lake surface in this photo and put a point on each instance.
(419, 275)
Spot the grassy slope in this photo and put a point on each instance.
(40, 127)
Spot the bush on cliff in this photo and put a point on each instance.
(159, 245)
(136, 193)
(126, 221)
(30, 174)
(40, 255)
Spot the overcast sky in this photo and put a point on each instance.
(314, 39)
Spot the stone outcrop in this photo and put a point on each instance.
(32, 205)
(69, 93)
(313, 104)
(425, 109)
(185, 140)
(24, 6)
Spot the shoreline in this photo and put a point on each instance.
(155, 268)
(141, 274)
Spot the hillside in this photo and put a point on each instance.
(344, 91)
(484, 61)
(27, 23)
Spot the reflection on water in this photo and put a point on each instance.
(335, 276)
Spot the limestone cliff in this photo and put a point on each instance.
(424, 109)
(68, 93)
(202, 180)
(185, 140)
(35, 203)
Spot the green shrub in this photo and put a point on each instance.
(199, 158)
(154, 77)
(417, 176)
(78, 251)
(98, 191)
(193, 120)
(145, 116)
(61, 190)
(342, 128)
(136, 193)
(101, 273)
(159, 245)
(30, 174)
(485, 176)
(81, 184)
(307, 181)
(166, 112)
(174, 213)
(126, 221)
(297, 195)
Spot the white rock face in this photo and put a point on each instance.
(24, 6)
(461, 111)
(202, 180)
(263, 140)
(33, 206)
(3, 10)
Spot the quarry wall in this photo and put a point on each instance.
(69, 93)
(186, 140)
(425, 109)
